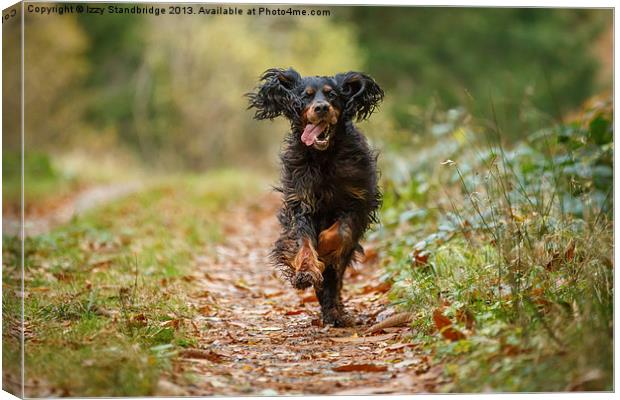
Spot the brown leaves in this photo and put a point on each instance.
(537, 296)
(395, 320)
(444, 326)
(419, 256)
(382, 287)
(172, 323)
(561, 257)
(269, 337)
(400, 346)
(360, 368)
(309, 299)
(465, 317)
(138, 320)
(370, 256)
(358, 339)
(202, 355)
(294, 312)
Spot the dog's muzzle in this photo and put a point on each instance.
(322, 140)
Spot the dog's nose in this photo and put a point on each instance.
(321, 108)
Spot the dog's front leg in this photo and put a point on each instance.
(308, 268)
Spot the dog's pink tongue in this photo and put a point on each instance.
(310, 133)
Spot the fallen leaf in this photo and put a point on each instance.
(381, 288)
(367, 339)
(398, 346)
(273, 293)
(139, 320)
(309, 299)
(203, 355)
(241, 284)
(205, 309)
(174, 323)
(511, 350)
(420, 258)
(407, 363)
(294, 312)
(395, 320)
(196, 330)
(465, 317)
(270, 328)
(369, 390)
(101, 263)
(370, 256)
(188, 278)
(360, 368)
(63, 276)
(444, 325)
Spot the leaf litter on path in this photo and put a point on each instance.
(260, 336)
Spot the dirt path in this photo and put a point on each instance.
(258, 336)
(60, 211)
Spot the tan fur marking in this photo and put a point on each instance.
(309, 116)
(292, 197)
(333, 115)
(356, 192)
(330, 240)
(307, 259)
(333, 241)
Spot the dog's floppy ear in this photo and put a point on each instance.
(274, 96)
(362, 94)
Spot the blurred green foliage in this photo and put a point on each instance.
(170, 89)
(40, 176)
(468, 56)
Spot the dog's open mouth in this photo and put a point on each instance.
(317, 135)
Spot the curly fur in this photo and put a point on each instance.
(336, 188)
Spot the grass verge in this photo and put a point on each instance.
(504, 253)
(105, 292)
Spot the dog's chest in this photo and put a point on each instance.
(339, 183)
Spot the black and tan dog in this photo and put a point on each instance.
(329, 177)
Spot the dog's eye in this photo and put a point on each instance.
(308, 93)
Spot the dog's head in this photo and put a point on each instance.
(315, 105)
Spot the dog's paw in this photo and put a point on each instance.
(308, 268)
(305, 278)
(338, 318)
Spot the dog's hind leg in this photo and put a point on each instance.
(332, 309)
(336, 247)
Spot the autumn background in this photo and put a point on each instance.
(496, 147)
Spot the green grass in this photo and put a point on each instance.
(520, 239)
(101, 288)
